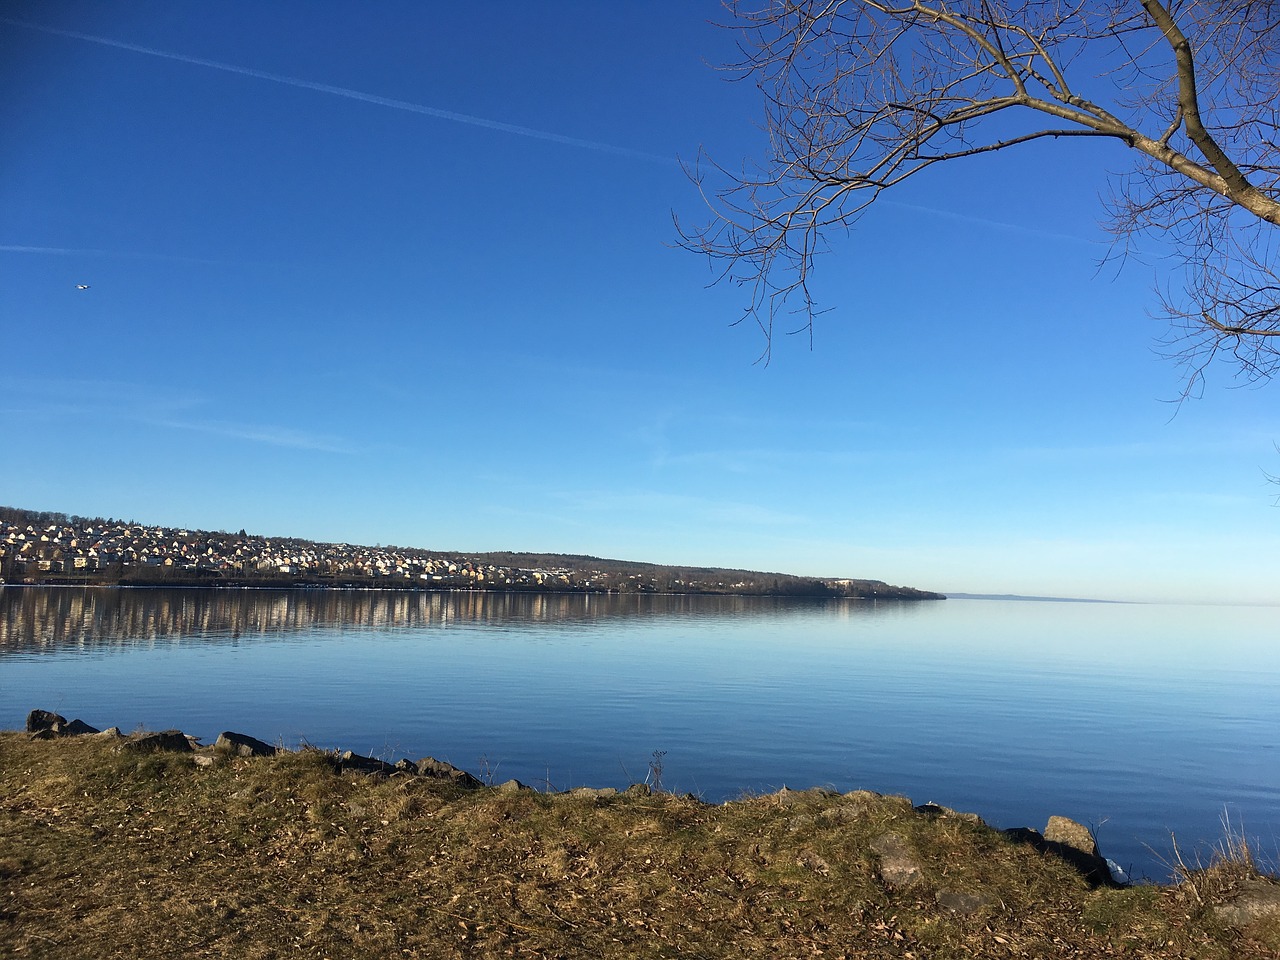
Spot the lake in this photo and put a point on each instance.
(1145, 721)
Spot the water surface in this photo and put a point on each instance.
(1142, 720)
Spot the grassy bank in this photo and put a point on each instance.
(105, 852)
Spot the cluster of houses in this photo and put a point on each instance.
(56, 548)
(111, 551)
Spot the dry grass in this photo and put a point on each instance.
(109, 854)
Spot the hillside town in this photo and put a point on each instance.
(39, 547)
(123, 552)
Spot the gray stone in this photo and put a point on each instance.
(77, 728)
(512, 786)
(898, 865)
(639, 790)
(242, 745)
(440, 770)
(150, 742)
(1258, 899)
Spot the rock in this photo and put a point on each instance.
(639, 790)
(440, 770)
(1075, 844)
(111, 733)
(242, 745)
(962, 903)
(353, 761)
(1069, 833)
(898, 866)
(938, 810)
(406, 766)
(1032, 838)
(40, 720)
(205, 759)
(58, 727)
(1070, 845)
(77, 728)
(1257, 899)
(150, 742)
(512, 786)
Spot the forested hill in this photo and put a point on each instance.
(45, 547)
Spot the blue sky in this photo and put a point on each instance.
(404, 273)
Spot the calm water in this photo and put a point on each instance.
(1141, 720)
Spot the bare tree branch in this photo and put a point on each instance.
(862, 95)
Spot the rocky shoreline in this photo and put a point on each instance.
(152, 844)
(1062, 838)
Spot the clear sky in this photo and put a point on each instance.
(404, 273)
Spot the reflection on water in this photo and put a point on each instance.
(36, 619)
(1147, 718)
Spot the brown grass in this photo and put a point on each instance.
(109, 854)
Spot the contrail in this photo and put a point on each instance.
(90, 252)
(62, 251)
(436, 112)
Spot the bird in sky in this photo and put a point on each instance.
(82, 286)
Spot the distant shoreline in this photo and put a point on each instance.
(381, 586)
(1015, 596)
